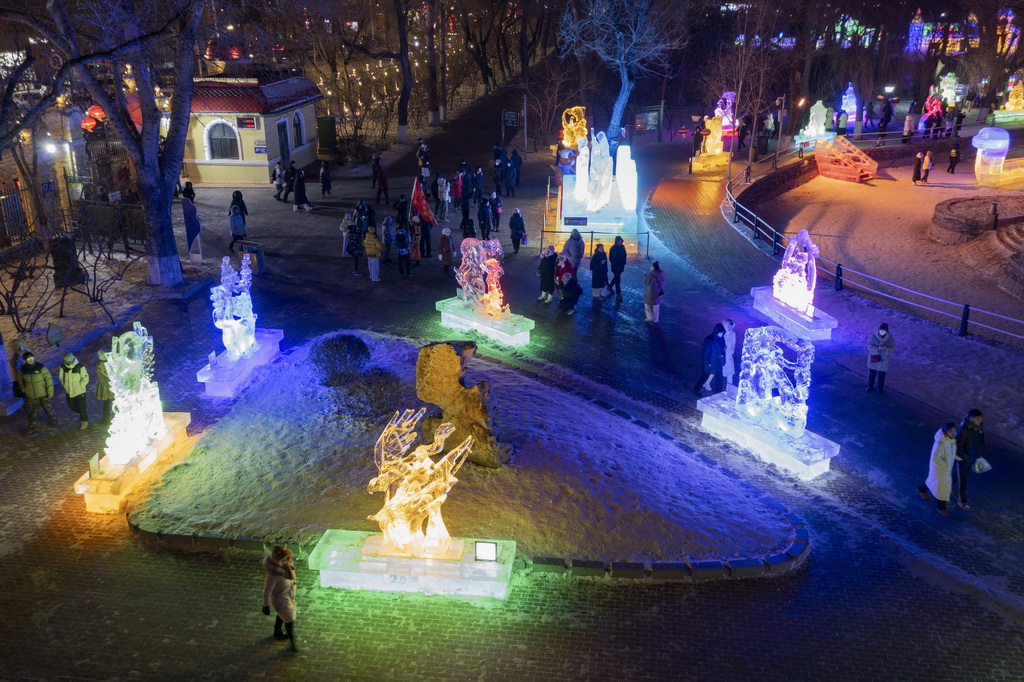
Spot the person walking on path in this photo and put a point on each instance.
(515, 164)
(483, 217)
(401, 207)
(571, 292)
(880, 348)
(446, 251)
(375, 168)
(478, 185)
(598, 273)
(918, 167)
(353, 247)
(940, 468)
(237, 200)
(574, 248)
(617, 259)
(402, 250)
(190, 216)
(373, 248)
(712, 360)
(970, 443)
(563, 268)
(954, 158)
(36, 384)
(655, 283)
(387, 238)
(189, 192)
(103, 392)
(926, 166)
(277, 177)
(382, 186)
(415, 255)
(496, 210)
(546, 272)
(74, 377)
(498, 176)
(299, 185)
(237, 225)
(289, 180)
(729, 368)
(325, 180)
(279, 592)
(441, 199)
(511, 174)
(457, 187)
(516, 229)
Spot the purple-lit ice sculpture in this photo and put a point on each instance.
(992, 145)
(232, 309)
(796, 280)
(767, 392)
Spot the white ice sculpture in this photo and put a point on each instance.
(600, 191)
(138, 414)
(850, 101)
(948, 86)
(816, 124)
(625, 177)
(232, 309)
(773, 389)
(796, 280)
(723, 109)
(582, 170)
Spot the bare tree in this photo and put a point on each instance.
(555, 89)
(631, 37)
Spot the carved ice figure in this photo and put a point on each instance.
(625, 177)
(948, 88)
(232, 309)
(479, 276)
(992, 145)
(714, 143)
(724, 107)
(816, 124)
(1015, 100)
(600, 174)
(414, 486)
(581, 192)
(138, 414)
(766, 390)
(795, 282)
(850, 101)
(574, 125)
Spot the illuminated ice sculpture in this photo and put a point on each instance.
(990, 165)
(816, 125)
(768, 414)
(724, 110)
(716, 128)
(481, 306)
(600, 187)
(581, 191)
(947, 87)
(850, 101)
(140, 430)
(574, 125)
(625, 177)
(245, 346)
(789, 302)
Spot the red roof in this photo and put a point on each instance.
(251, 98)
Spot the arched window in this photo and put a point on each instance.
(297, 128)
(223, 142)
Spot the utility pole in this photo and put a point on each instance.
(524, 127)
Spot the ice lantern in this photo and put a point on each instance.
(795, 281)
(992, 145)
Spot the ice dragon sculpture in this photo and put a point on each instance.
(600, 189)
(415, 486)
(138, 414)
(479, 276)
(766, 390)
(232, 309)
(574, 125)
(796, 280)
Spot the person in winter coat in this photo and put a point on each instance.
(510, 175)
(74, 377)
(373, 248)
(299, 185)
(237, 227)
(289, 180)
(546, 272)
(325, 180)
(401, 207)
(954, 158)
(446, 251)
(441, 199)
(189, 192)
(880, 349)
(353, 247)
(382, 185)
(483, 217)
(415, 255)
(366, 217)
(574, 247)
(457, 187)
(498, 176)
(655, 283)
(571, 292)
(478, 185)
(36, 384)
(277, 177)
(402, 240)
(193, 226)
(468, 229)
(599, 273)
(563, 267)
(426, 248)
(515, 164)
(516, 229)
(926, 166)
(237, 200)
(617, 260)
(940, 468)
(387, 238)
(496, 210)
(918, 167)
(279, 592)
(970, 443)
(712, 360)
(103, 392)
(374, 169)
(729, 368)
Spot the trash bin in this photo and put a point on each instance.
(255, 248)
(762, 144)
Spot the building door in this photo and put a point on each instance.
(282, 142)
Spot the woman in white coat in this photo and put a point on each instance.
(940, 468)
(279, 592)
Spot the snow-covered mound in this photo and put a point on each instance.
(292, 458)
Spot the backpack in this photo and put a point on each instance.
(355, 244)
(402, 239)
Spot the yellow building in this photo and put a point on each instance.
(240, 128)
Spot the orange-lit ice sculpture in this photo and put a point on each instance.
(574, 125)
(796, 280)
(415, 487)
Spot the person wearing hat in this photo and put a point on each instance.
(103, 392)
(36, 384)
(279, 592)
(880, 349)
(74, 377)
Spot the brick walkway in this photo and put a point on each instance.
(892, 591)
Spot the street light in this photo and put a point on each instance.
(781, 102)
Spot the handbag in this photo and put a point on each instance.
(981, 465)
(525, 239)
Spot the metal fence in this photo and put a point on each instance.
(17, 219)
(636, 243)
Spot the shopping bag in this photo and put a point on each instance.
(981, 465)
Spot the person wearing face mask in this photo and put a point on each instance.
(74, 377)
(880, 349)
(712, 360)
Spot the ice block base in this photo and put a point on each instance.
(457, 314)
(817, 326)
(228, 377)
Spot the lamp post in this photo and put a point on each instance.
(778, 142)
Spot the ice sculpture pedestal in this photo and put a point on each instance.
(456, 313)
(815, 327)
(105, 491)
(227, 377)
(807, 456)
(341, 558)
(611, 218)
(7, 408)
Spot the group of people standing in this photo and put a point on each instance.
(292, 180)
(35, 384)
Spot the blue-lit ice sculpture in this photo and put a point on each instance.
(797, 278)
(767, 392)
(850, 101)
(232, 309)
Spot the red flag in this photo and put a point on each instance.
(419, 203)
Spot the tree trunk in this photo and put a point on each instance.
(402, 21)
(443, 93)
(526, 6)
(619, 108)
(434, 111)
(161, 248)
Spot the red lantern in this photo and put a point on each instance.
(96, 112)
(895, 100)
(88, 123)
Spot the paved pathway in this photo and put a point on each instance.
(892, 590)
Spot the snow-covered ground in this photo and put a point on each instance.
(285, 463)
